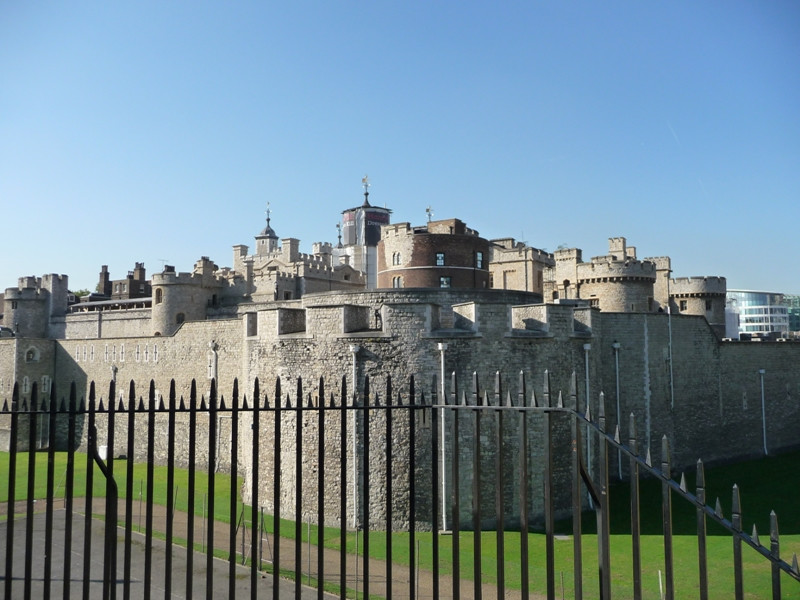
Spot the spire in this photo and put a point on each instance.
(267, 240)
(268, 232)
(365, 183)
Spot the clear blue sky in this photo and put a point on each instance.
(150, 131)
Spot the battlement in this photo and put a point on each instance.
(30, 287)
(568, 254)
(619, 249)
(26, 293)
(29, 282)
(603, 267)
(315, 260)
(51, 279)
(183, 278)
(397, 229)
(318, 248)
(662, 263)
(522, 249)
(698, 286)
(552, 320)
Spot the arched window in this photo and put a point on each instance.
(159, 295)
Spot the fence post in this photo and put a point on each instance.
(635, 522)
(666, 513)
(701, 530)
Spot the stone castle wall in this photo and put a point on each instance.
(703, 394)
(105, 324)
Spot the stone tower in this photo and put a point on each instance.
(179, 297)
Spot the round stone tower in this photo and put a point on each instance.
(180, 297)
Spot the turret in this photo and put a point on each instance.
(266, 240)
(28, 307)
(180, 297)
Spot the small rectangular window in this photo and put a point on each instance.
(683, 305)
(708, 304)
(440, 259)
(479, 260)
(444, 282)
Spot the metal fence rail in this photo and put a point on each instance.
(477, 425)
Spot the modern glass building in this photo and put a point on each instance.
(792, 301)
(761, 314)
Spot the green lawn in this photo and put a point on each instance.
(766, 484)
(222, 482)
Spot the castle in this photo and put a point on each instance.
(400, 300)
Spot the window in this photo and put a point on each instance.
(479, 260)
(180, 318)
(45, 384)
(13, 304)
(440, 259)
(122, 353)
(683, 305)
(159, 295)
(396, 258)
(708, 304)
(397, 282)
(444, 282)
(26, 385)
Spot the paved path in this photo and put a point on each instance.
(400, 575)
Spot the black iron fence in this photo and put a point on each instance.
(468, 461)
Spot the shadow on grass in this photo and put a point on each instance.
(765, 484)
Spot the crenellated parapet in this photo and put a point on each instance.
(603, 269)
(180, 297)
(405, 317)
(698, 286)
(29, 308)
(702, 296)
